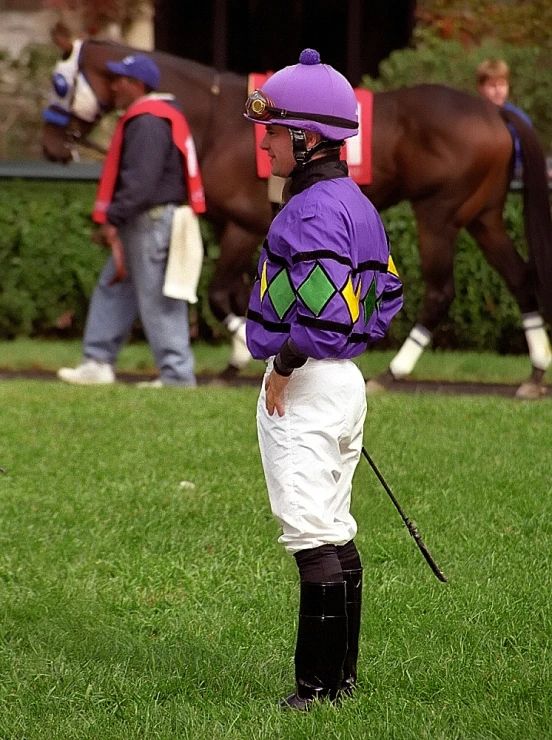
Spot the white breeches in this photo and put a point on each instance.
(309, 454)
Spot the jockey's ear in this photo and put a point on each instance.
(312, 139)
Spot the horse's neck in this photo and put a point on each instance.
(197, 88)
(194, 85)
(199, 85)
(93, 57)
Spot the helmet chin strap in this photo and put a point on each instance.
(303, 155)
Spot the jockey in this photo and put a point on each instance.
(286, 86)
(326, 287)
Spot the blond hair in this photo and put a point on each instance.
(491, 69)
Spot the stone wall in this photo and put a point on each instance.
(27, 58)
(18, 29)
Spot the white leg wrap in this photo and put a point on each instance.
(240, 354)
(409, 354)
(537, 340)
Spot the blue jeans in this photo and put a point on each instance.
(114, 308)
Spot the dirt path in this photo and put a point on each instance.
(401, 386)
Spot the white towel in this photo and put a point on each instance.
(185, 257)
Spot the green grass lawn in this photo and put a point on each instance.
(143, 593)
(24, 354)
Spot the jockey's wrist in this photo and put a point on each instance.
(288, 359)
(279, 369)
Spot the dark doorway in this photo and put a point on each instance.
(261, 35)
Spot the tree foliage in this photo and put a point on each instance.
(516, 22)
(92, 16)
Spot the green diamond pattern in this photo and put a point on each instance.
(369, 301)
(317, 290)
(281, 293)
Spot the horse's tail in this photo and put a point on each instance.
(536, 209)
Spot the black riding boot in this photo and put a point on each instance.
(353, 579)
(321, 645)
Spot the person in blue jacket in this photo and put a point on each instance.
(325, 289)
(493, 83)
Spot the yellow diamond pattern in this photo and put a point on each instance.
(352, 298)
(264, 282)
(391, 267)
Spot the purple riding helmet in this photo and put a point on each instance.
(307, 96)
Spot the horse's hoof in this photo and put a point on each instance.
(530, 391)
(374, 387)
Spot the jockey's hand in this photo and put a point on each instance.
(275, 386)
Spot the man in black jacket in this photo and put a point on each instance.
(148, 183)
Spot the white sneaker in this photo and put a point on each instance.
(89, 372)
(157, 383)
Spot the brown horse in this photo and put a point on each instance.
(448, 153)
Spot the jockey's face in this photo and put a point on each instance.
(495, 89)
(277, 144)
(126, 90)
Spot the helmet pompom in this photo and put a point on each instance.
(309, 56)
(314, 91)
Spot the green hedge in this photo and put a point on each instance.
(48, 263)
(50, 266)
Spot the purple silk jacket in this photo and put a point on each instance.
(325, 277)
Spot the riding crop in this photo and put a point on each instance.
(409, 525)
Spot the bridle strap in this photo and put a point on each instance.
(72, 131)
(102, 105)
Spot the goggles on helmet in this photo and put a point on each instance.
(260, 107)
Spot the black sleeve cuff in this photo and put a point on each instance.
(288, 359)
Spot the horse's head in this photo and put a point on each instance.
(78, 100)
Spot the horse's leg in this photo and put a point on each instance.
(436, 239)
(229, 292)
(488, 230)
